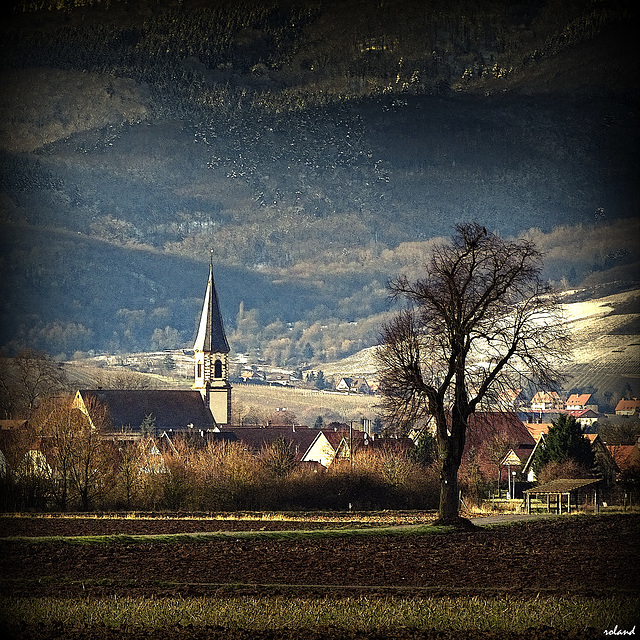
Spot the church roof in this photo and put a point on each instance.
(211, 337)
(169, 409)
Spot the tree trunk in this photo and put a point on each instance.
(448, 509)
(451, 446)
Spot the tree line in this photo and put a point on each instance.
(61, 461)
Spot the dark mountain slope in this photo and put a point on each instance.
(62, 292)
(310, 143)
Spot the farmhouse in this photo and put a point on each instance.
(628, 407)
(354, 385)
(581, 402)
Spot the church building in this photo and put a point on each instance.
(205, 408)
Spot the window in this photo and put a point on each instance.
(217, 369)
(199, 374)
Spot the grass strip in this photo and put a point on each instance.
(269, 590)
(182, 538)
(360, 613)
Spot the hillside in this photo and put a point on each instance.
(606, 362)
(606, 356)
(317, 147)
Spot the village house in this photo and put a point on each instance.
(353, 385)
(581, 402)
(628, 407)
(546, 401)
(496, 444)
(253, 376)
(584, 417)
(605, 467)
(627, 458)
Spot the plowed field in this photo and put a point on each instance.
(566, 556)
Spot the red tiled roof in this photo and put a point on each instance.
(580, 400)
(626, 456)
(257, 438)
(581, 413)
(483, 427)
(628, 405)
(536, 429)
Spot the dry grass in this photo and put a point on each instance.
(304, 403)
(354, 614)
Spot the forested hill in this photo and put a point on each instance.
(318, 146)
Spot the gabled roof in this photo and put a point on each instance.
(578, 399)
(257, 438)
(194, 438)
(211, 337)
(628, 405)
(483, 427)
(489, 423)
(581, 413)
(626, 456)
(518, 456)
(170, 409)
(545, 396)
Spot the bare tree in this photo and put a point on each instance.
(27, 379)
(481, 321)
(80, 462)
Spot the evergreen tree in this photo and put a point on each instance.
(426, 450)
(320, 381)
(307, 352)
(564, 442)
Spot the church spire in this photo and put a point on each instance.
(211, 356)
(211, 337)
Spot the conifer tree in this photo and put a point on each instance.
(563, 443)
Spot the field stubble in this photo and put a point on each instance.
(572, 576)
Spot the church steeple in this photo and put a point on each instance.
(211, 337)
(211, 355)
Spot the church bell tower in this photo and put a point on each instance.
(211, 354)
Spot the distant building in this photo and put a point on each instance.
(628, 407)
(585, 417)
(581, 402)
(546, 401)
(354, 385)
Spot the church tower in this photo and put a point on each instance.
(211, 354)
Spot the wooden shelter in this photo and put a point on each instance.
(564, 492)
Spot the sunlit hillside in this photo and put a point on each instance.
(606, 362)
(606, 356)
